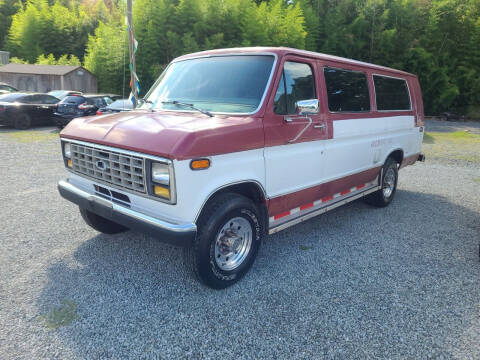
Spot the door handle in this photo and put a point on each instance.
(302, 131)
(322, 126)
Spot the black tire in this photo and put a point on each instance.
(100, 223)
(383, 197)
(22, 122)
(223, 211)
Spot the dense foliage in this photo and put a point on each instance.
(437, 39)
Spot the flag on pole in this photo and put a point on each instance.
(132, 47)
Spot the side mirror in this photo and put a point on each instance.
(307, 107)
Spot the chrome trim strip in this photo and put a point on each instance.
(321, 210)
(227, 185)
(120, 150)
(267, 87)
(161, 224)
(328, 179)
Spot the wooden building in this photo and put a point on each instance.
(45, 78)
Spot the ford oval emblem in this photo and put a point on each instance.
(100, 165)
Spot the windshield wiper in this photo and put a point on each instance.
(142, 101)
(191, 106)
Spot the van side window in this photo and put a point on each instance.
(296, 84)
(391, 93)
(347, 90)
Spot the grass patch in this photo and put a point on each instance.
(305, 247)
(456, 136)
(477, 180)
(63, 315)
(454, 146)
(428, 139)
(31, 136)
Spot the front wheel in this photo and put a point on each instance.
(22, 122)
(101, 224)
(384, 196)
(229, 235)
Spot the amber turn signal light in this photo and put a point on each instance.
(161, 191)
(200, 164)
(69, 163)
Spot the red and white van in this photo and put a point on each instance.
(230, 145)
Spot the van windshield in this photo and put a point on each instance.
(225, 84)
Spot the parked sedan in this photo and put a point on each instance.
(114, 97)
(22, 110)
(5, 88)
(79, 105)
(116, 106)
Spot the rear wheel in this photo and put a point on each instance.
(384, 196)
(101, 224)
(229, 236)
(22, 121)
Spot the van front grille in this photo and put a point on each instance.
(112, 167)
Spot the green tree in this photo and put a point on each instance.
(7, 9)
(106, 55)
(62, 60)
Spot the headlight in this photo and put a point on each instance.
(161, 174)
(67, 154)
(162, 182)
(67, 151)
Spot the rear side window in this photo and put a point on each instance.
(47, 99)
(391, 93)
(347, 90)
(11, 97)
(31, 99)
(97, 101)
(296, 84)
(77, 100)
(7, 88)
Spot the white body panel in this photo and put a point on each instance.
(293, 167)
(357, 145)
(362, 144)
(193, 187)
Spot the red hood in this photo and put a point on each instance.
(172, 135)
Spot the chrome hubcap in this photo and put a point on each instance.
(388, 183)
(233, 243)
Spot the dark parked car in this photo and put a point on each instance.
(79, 105)
(5, 88)
(114, 97)
(62, 94)
(22, 110)
(451, 116)
(116, 106)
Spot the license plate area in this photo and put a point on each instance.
(112, 195)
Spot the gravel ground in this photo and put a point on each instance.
(399, 283)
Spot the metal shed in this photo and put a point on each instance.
(44, 78)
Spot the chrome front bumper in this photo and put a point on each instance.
(176, 234)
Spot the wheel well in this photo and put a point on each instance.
(397, 155)
(250, 190)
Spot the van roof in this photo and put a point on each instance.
(281, 51)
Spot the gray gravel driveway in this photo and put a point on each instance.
(359, 282)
